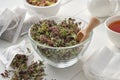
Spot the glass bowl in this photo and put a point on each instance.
(62, 57)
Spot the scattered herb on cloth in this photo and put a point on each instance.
(35, 71)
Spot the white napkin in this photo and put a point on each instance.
(8, 54)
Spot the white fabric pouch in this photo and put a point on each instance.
(5, 20)
(8, 54)
(13, 30)
(103, 65)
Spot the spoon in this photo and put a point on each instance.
(84, 33)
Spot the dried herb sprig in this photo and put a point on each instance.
(5, 74)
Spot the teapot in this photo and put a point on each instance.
(103, 8)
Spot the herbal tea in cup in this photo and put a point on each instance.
(112, 25)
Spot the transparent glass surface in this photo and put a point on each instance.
(62, 57)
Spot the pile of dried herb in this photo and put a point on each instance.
(51, 33)
(35, 71)
(57, 34)
(19, 61)
(42, 2)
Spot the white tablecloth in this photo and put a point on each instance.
(76, 8)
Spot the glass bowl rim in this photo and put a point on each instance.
(68, 47)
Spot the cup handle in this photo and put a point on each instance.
(64, 2)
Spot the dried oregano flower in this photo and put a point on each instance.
(57, 33)
(5, 74)
(35, 71)
(51, 33)
(19, 61)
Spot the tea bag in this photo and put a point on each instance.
(101, 60)
(113, 67)
(29, 22)
(98, 62)
(5, 19)
(14, 28)
(8, 54)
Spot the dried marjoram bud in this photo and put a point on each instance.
(19, 61)
(35, 71)
(5, 74)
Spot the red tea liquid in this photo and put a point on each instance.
(115, 26)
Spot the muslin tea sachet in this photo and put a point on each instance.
(103, 65)
(6, 17)
(14, 26)
(9, 53)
